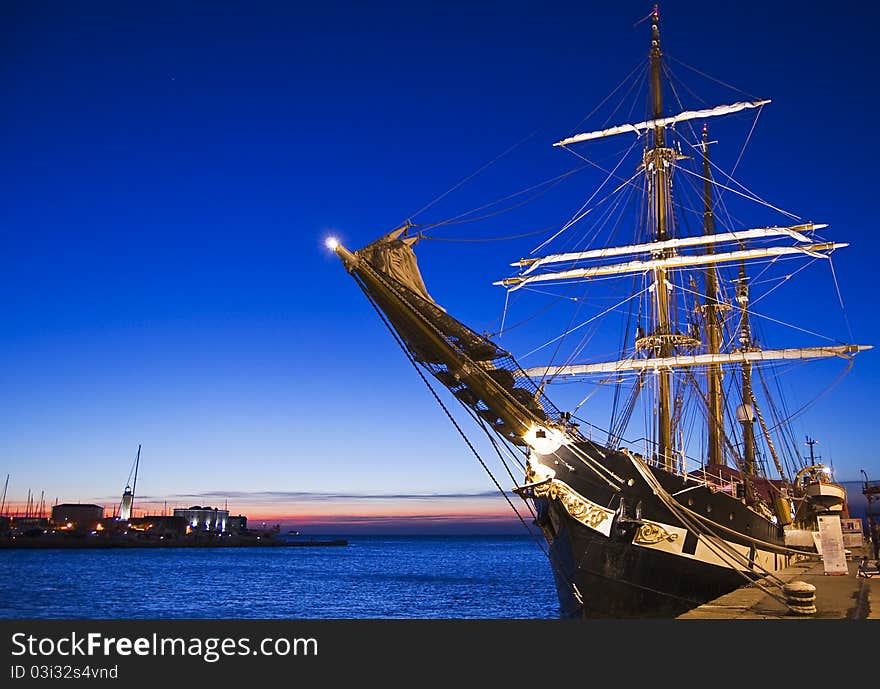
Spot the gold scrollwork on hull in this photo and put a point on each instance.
(649, 534)
(581, 509)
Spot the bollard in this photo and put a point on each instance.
(801, 597)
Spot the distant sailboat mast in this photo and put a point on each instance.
(3, 501)
(128, 495)
(137, 463)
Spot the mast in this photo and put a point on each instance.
(127, 504)
(745, 414)
(137, 462)
(3, 500)
(811, 442)
(656, 161)
(713, 329)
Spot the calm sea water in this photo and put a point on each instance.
(373, 577)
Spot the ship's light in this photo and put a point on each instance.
(544, 441)
(538, 472)
(331, 243)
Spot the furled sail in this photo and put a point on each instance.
(814, 250)
(682, 361)
(794, 231)
(394, 256)
(640, 127)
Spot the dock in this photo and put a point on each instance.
(841, 596)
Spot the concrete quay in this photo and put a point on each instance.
(840, 596)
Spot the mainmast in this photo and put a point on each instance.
(713, 328)
(657, 164)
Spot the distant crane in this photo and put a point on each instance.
(3, 501)
(125, 511)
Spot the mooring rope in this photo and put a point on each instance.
(716, 544)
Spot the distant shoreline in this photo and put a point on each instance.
(102, 544)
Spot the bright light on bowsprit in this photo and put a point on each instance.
(544, 441)
(331, 243)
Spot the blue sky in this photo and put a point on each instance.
(171, 171)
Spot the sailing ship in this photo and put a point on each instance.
(655, 527)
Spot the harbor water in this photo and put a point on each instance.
(373, 577)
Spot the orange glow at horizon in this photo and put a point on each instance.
(336, 510)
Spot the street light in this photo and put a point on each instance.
(872, 529)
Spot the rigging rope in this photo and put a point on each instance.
(713, 541)
(586, 322)
(635, 69)
(693, 133)
(774, 320)
(840, 299)
(484, 239)
(746, 143)
(467, 441)
(767, 436)
(784, 279)
(600, 470)
(559, 297)
(754, 198)
(461, 218)
(445, 410)
(621, 203)
(737, 459)
(476, 172)
(707, 76)
(511, 148)
(802, 409)
(581, 213)
(485, 428)
(504, 312)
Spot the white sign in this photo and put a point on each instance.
(831, 538)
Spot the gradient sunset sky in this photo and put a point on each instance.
(171, 171)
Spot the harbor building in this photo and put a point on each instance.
(204, 518)
(236, 523)
(77, 517)
(163, 525)
(155, 525)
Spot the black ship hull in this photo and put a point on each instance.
(644, 561)
(616, 579)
